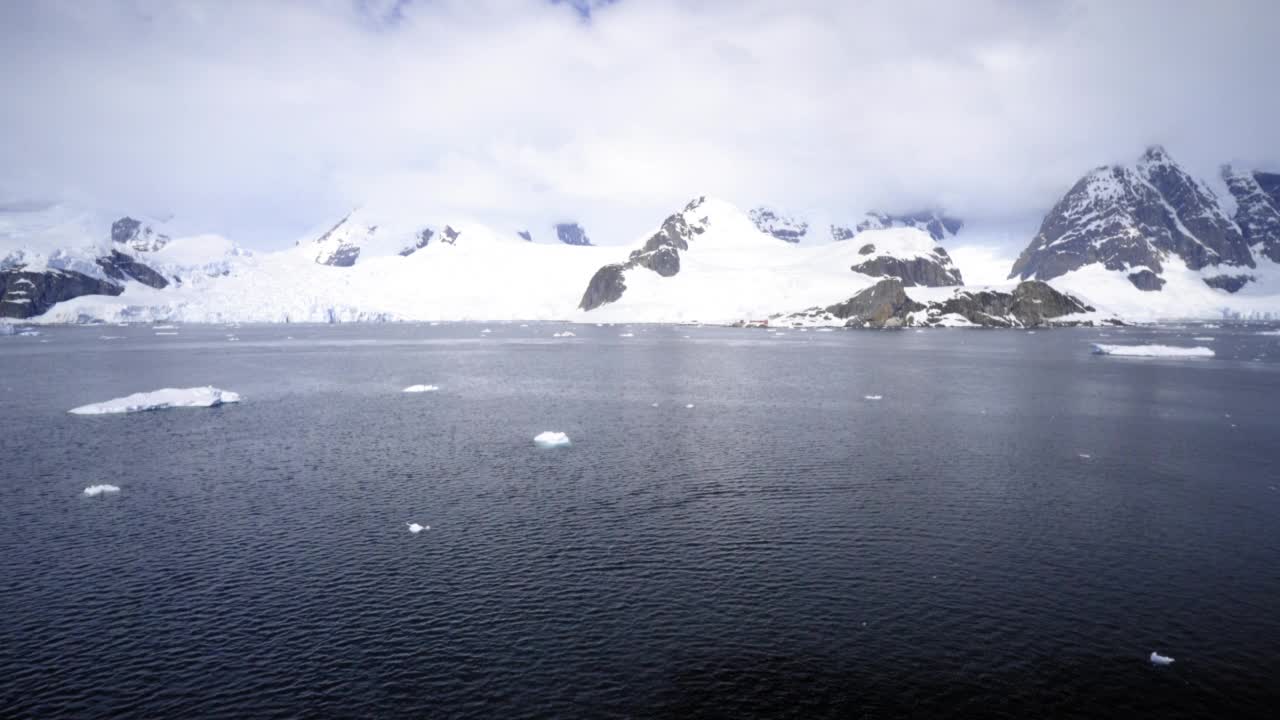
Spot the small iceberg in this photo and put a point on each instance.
(96, 490)
(166, 333)
(1158, 659)
(873, 397)
(626, 334)
(566, 333)
(421, 388)
(164, 327)
(689, 406)
(485, 331)
(207, 396)
(550, 439)
(1152, 351)
(415, 528)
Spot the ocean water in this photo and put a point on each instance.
(1009, 531)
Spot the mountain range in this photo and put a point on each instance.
(1142, 241)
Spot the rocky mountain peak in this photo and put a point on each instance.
(939, 225)
(783, 227)
(137, 235)
(571, 233)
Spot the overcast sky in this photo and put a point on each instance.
(262, 119)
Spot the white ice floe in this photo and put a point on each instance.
(110, 337)
(1084, 456)
(415, 528)
(825, 330)
(1270, 332)
(873, 397)
(166, 333)
(550, 439)
(207, 396)
(689, 406)
(1152, 351)
(1206, 338)
(626, 334)
(485, 331)
(421, 388)
(164, 327)
(653, 405)
(566, 333)
(1158, 659)
(95, 490)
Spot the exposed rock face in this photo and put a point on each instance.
(528, 237)
(1146, 281)
(422, 240)
(1257, 197)
(886, 304)
(137, 235)
(25, 294)
(936, 270)
(450, 235)
(119, 266)
(338, 246)
(572, 234)
(784, 228)
(1127, 217)
(939, 226)
(1230, 283)
(660, 253)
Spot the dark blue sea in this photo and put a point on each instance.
(1009, 531)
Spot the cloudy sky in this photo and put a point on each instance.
(262, 119)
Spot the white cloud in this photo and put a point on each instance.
(261, 119)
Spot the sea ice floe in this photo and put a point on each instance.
(1269, 332)
(550, 439)
(421, 388)
(1152, 351)
(415, 528)
(164, 327)
(1158, 659)
(485, 331)
(653, 405)
(166, 333)
(207, 396)
(626, 334)
(566, 333)
(873, 397)
(1203, 339)
(689, 406)
(95, 490)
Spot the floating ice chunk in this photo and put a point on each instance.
(550, 439)
(1265, 332)
(166, 333)
(566, 333)
(653, 405)
(1158, 659)
(689, 406)
(1206, 338)
(421, 388)
(485, 331)
(824, 330)
(164, 327)
(1152, 351)
(626, 335)
(207, 396)
(873, 397)
(110, 337)
(415, 528)
(1084, 456)
(96, 490)
(29, 333)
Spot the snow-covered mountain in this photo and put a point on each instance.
(783, 227)
(939, 225)
(1151, 241)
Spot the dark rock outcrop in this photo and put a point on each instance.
(1146, 281)
(1230, 283)
(139, 236)
(840, 233)
(449, 235)
(25, 294)
(934, 271)
(1128, 217)
(421, 240)
(660, 253)
(119, 266)
(572, 234)
(781, 227)
(528, 236)
(886, 304)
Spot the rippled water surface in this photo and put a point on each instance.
(1010, 531)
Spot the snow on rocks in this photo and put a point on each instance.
(1168, 351)
(1158, 659)
(550, 439)
(96, 490)
(415, 528)
(421, 388)
(207, 396)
